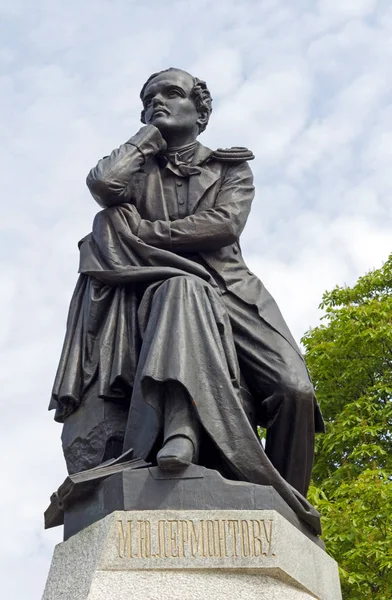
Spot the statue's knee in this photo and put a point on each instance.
(182, 283)
(297, 391)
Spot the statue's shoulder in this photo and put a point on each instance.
(236, 154)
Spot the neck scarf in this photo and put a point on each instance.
(178, 160)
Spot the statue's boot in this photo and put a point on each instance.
(176, 454)
(181, 431)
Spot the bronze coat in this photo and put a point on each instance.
(219, 203)
(220, 199)
(128, 248)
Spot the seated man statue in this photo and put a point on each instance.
(168, 326)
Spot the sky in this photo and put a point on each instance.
(305, 84)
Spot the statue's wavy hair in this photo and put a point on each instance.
(200, 95)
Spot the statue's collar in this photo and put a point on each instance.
(183, 154)
(193, 154)
(201, 154)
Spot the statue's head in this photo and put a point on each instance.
(175, 101)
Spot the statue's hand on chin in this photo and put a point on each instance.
(163, 130)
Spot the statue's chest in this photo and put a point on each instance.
(163, 195)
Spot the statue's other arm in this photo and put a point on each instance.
(110, 182)
(208, 229)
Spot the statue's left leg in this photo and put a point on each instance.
(290, 434)
(278, 380)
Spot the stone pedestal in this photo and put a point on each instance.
(195, 488)
(191, 555)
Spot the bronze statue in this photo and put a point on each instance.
(173, 347)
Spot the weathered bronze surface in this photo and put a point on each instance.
(173, 347)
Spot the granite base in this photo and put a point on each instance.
(191, 555)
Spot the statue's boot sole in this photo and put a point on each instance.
(176, 454)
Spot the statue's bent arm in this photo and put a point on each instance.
(212, 228)
(110, 182)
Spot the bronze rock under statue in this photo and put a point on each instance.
(173, 347)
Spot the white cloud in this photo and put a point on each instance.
(223, 66)
(276, 104)
(346, 9)
(304, 84)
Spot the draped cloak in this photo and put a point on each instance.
(108, 330)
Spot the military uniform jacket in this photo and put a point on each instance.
(220, 195)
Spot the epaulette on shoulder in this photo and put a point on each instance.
(236, 154)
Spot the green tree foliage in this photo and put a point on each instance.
(350, 360)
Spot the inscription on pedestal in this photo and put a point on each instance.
(194, 538)
(180, 554)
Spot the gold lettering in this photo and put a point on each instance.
(268, 535)
(162, 540)
(130, 536)
(245, 546)
(255, 531)
(148, 538)
(234, 527)
(121, 539)
(210, 538)
(140, 539)
(183, 537)
(197, 539)
(221, 537)
(173, 539)
(200, 538)
(144, 535)
(125, 540)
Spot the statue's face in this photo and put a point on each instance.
(168, 104)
